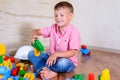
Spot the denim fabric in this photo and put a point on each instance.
(62, 64)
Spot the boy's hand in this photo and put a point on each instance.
(34, 37)
(52, 59)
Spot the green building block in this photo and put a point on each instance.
(82, 77)
(1, 59)
(38, 45)
(99, 76)
(76, 77)
(21, 78)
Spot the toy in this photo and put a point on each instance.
(2, 49)
(38, 47)
(91, 76)
(105, 74)
(79, 77)
(86, 53)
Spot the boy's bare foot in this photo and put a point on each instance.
(48, 74)
(32, 68)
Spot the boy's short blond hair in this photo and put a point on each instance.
(64, 4)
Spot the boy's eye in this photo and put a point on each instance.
(61, 15)
(56, 15)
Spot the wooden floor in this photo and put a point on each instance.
(98, 62)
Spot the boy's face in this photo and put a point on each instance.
(63, 16)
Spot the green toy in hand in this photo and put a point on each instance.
(38, 47)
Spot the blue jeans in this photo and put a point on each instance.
(39, 62)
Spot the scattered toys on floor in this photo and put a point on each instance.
(11, 71)
(86, 53)
(91, 76)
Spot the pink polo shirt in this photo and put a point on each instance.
(69, 38)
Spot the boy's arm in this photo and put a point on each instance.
(52, 59)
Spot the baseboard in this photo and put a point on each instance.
(105, 49)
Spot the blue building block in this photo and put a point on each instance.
(68, 79)
(85, 51)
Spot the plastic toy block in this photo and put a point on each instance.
(26, 79)
(29, 75)
(82, 77)
(105, 75)
(12, 60)
(38, 45)
(10, 79)
(14, 72)
(91, 76)
(13, 78)
(25, 68)
(3, 69)
(76, 76)
(1, 59)
(7, 73)
(6, 64)
(36, 52)
(2, 49)
(85, 51)
(21, 78)
(6, 58)
(67, 79)
(83, 46)
(99, 76)
(20, 64)
(16, 78)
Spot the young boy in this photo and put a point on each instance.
(64, 44)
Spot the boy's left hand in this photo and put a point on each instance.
(52, 59)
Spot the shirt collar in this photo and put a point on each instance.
(64, 30)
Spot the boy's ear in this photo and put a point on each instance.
(71, 15)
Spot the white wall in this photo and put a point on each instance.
(99, 23)
(97, 20)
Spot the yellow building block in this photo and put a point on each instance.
(36, 52)
(30, 76)
(105, 74)
(2, 49)
(1, 76)
(9, 78)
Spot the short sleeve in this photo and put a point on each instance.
(46, 31)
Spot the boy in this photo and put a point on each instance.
(64, 44)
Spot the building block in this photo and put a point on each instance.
(91, 76)
(67, 79)
(82, 77)
(2, 49)
(105, 74)
(38, 45)
(3, 70)
(1, 59)
(99, 76)
(76, 77)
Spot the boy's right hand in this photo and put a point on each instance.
(35, 35)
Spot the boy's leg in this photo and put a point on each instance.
(38, 61)
(62, 65)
